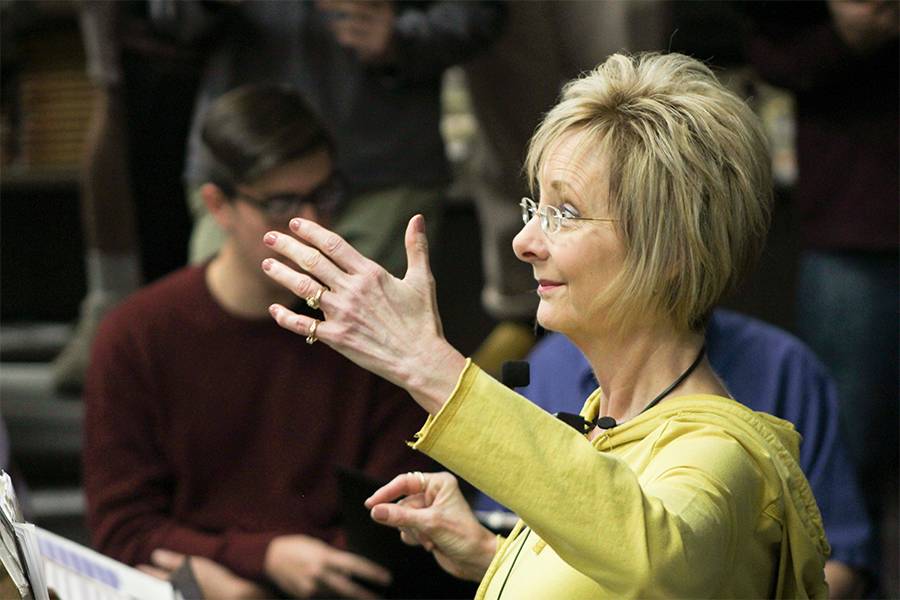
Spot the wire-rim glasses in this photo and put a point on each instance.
(325, 198)
(552, 218)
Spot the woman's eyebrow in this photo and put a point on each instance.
(563, 190)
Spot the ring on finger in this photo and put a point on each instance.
(421, 478)
(311, 338)
(313, 302)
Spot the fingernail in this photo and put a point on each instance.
(273, 310)
(295, 224)
(270, 239)
(380, 513)
(267, 264)
(420, 224)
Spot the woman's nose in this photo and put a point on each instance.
(529, 244)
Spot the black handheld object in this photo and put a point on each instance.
(515, 373)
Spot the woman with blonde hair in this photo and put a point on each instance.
(652, 197)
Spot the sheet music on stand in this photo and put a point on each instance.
(38, 561)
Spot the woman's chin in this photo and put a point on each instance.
(545, 317)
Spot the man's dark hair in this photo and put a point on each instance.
(254, 128)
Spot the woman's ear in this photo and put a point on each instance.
(217, 204)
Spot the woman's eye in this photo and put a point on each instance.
(567, 211)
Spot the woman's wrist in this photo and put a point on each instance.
(483, 555)
(490, 547)
(434, 379)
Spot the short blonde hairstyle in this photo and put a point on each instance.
(690, 180)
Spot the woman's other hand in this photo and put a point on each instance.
(432, 512)
(386, 325)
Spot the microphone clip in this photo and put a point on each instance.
(582, 425)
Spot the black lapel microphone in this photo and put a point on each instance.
(515, 373)
(584, 426)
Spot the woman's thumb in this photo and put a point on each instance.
(393, 515)
(417, 250)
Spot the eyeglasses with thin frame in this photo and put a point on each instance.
(325, 198)
(552, 218)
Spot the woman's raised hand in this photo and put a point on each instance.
(384, 324)
(432, 512)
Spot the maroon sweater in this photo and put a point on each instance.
(210, 435)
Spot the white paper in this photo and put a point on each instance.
(32, 556)
(76, 572)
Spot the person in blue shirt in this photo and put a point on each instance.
(768, 370)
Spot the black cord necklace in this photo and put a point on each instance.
(584, 426)
(515, 558)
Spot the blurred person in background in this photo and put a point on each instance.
(372, 71)
(195, 443)
(134, 221)
(841, 59)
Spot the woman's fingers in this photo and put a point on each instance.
(300, 284)
(401, 485)
(412, 521)
(398, 516)
(320, 253)
(331, 245)
(311, 261)
(301, 324)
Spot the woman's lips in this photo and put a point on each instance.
(546, 285)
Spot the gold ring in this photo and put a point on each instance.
(313, 302)
(421, 478)
(311, 338)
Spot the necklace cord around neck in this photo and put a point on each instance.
(675, 383)
(584, 426)
(609, 422)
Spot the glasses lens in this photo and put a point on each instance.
(325, 199)
(528, 209)
(551, 219)
(278, 206)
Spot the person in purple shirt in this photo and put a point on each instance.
(768, 370)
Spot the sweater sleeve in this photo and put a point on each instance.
(669, 532)
(128, 480)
